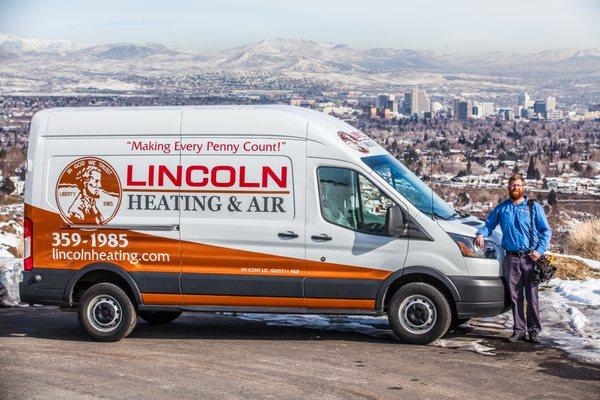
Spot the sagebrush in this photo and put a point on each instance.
(585, 239)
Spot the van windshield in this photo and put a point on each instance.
(410, 186)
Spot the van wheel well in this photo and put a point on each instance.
(100, 276)
(409, 278)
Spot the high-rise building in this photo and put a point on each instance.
(407, 103)
(550, 103)
(455, 103)
(539, 107)
(424, 104)
(436, 106)
(465, 110)
(524, 100)
(392, 105)
(383, 99)
(482, 109)
(416, 102)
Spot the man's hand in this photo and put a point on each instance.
(479, 242)
(534, 255)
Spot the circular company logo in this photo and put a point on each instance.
(88, 192)
(353, 141)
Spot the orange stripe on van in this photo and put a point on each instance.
(196, 258)
(341, 303)
(247, 301)
(163, 299)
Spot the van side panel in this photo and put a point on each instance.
(248, 206)
(94, 206)
(200, 206)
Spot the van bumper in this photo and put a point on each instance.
(44, 286)
(480, 296)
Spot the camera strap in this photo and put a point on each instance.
(530, 204)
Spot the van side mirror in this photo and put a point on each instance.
(394, 222)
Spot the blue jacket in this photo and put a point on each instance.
(514, 222)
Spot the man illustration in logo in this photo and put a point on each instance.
(88, 192)
(83, 209)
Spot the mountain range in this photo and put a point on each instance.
(300, 55)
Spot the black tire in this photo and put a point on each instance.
(159, 317)
(427, 313)
(106, 313)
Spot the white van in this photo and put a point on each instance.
(153, 211)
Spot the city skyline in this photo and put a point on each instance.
(462, 27)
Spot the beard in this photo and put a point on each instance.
(515, 194)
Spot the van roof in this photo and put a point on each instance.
(255, 120)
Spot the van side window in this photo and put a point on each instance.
(350, 200)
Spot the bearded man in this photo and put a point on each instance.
(514, 218)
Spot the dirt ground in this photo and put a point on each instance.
(44, 354)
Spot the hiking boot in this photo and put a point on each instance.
(516, 337)
(534, 337)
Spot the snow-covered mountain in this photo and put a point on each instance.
(123, 51)
(13, 46)
(287, 54)
(299, 55)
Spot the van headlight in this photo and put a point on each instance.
(468, 248)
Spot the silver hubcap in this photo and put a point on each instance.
(104, 312)
(417, 314)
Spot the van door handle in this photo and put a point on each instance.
(323, 237)
(287, 235)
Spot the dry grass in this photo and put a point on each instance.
(570, 269)
(585, 239)
(8, 199)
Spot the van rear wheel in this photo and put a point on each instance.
(419, 313)
(159, 317)
(106, 313)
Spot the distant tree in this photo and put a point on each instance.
(552, 198)
(531, 169)
(464, 198)
(7, 186)
(460, 173)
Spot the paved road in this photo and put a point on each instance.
(45, 355)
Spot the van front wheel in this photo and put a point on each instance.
(419, 313)
(106, 313)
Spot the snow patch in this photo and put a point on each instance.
(462, 344)
(372, 326)
(570, 312)
(587, 292)
(10, 274)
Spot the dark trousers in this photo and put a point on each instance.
(518, 270)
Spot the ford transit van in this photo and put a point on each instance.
(153, 211)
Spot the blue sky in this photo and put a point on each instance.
(457, 25)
